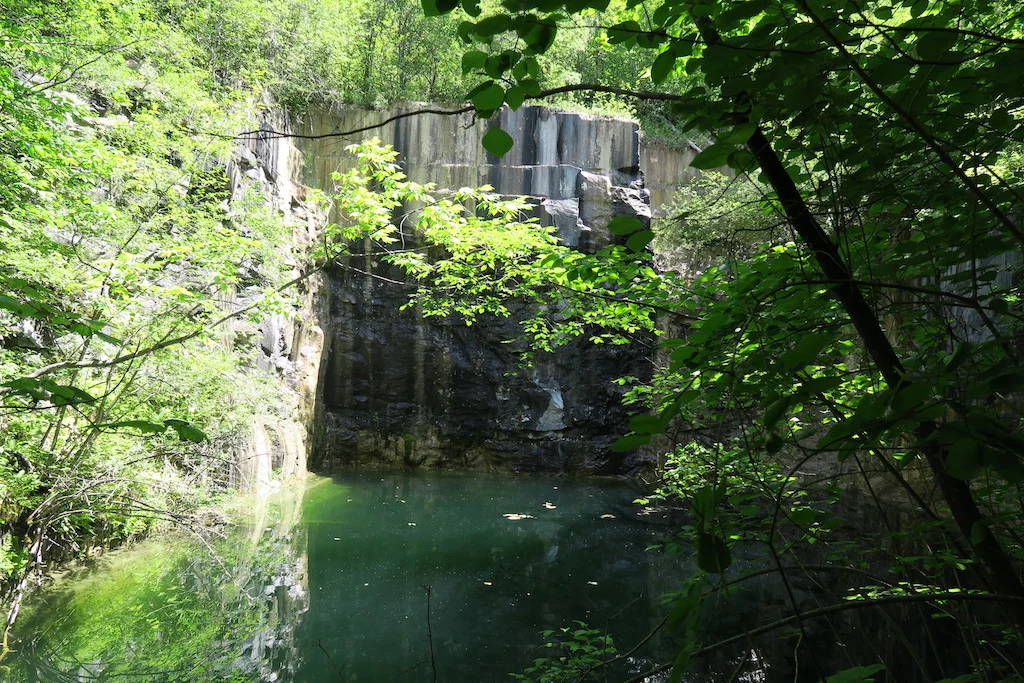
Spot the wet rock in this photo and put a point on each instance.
(401, 390)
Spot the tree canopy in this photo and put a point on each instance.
(885, 336)
(860, 324)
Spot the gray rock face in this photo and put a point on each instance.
(397, 389)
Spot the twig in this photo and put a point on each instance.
(578, 87)
(829, 609)
(430, 636)
(124, 357)
(330, 659)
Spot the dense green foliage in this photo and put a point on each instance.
(122, 252)
(165, 610)
(118, 251)
(874, 339)
(878, 349)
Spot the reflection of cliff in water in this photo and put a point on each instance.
(329, 584)
(504, 560)
(175, 608)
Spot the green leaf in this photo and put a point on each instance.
(980, 529)
(713, 554)
(493, 25)
(739, 135)
(21, 310)
(639, 241)
(999, 306)
(805, 351)
(26, 386)
(185, 431)
(647, 424)
(61, 394)
(773, 443)
(497, 142)
(680, 664)
(858, 674)
(776, 410)
(663, 66)
(934, 45)
(143, 426)
(624, 32)
(742, 11)
(910, 398)
(435, 8)
(625, 225)
(963, 459)
(530, 87)
(113, 341)
(960, 355)
(715, 156)
(538, 34)
(489, 98)
(631, 442)
(472, 7)
(803, 516)
(514, 97)
(474, 59)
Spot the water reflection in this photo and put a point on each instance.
(504, 560)
(330, 584)
(174, 609)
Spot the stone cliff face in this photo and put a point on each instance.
(375, 385)
(400, 390)
(291, 347)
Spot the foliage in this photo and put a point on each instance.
(174, 606)
(715, 218)
(882, 343)
(118, 250)
(576, 653)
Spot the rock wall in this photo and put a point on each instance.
(368, 384)
(290, 346)
(400, 390)
(666, 168)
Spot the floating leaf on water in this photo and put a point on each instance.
(516, 516)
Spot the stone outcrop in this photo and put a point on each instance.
(370, 384)
(666, 168)
(291, 347)
(400, 390)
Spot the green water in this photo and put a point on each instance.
(330, 584)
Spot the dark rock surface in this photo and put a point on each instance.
(399, 390)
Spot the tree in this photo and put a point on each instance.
(889, 136)
(118, 250)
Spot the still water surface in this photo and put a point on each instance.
(330, 584)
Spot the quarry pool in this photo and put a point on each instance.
(330, 583)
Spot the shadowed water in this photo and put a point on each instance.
(331, 584)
